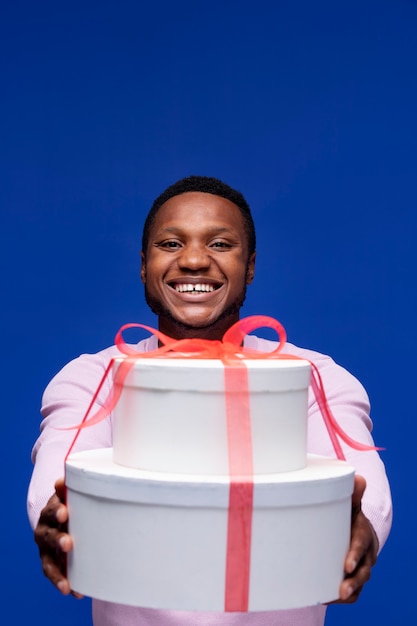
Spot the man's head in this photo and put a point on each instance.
(198, 257)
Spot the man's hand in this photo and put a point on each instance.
(363, 549)
(51, 535)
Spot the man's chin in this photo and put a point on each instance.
(163, 313)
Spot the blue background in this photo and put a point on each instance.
(309, 108)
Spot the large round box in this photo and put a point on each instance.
(157, 540)
(171, 416)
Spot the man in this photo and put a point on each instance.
(198, 256)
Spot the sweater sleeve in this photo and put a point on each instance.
(350, 406)
(64, 403)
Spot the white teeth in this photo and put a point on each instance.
(194, 288)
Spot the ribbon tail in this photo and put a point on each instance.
(239, 528)
(111, 400)
(333, 428)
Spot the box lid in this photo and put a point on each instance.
(93, 472)
(208, 374)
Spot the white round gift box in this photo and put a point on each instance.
(157, 540)
(171, 416)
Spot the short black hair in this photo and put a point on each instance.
(203, 184)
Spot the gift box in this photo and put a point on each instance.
(171, 415)
(159, 540)
(207, 500)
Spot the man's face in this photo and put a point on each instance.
(196, 267)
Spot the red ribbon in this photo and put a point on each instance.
(231, 352)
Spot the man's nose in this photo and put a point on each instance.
(194, 257)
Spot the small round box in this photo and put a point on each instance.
(171, 416)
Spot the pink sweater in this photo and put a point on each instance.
(66, 399)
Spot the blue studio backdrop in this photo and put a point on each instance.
(309, 108)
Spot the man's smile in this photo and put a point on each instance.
(198, 288)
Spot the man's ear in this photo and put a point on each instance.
(250, 272)
(142, 268)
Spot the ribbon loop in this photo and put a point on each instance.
(236, 333)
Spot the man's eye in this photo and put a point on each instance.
(169, 244)
(220, 244)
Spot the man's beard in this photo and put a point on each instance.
(161, 311)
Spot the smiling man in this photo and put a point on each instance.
(198, 256)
